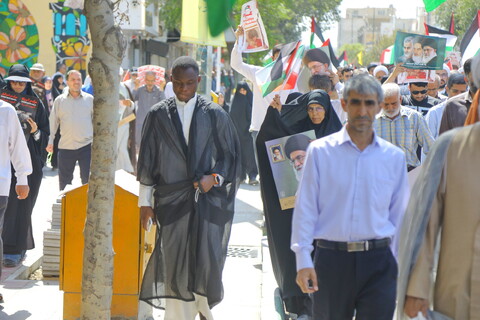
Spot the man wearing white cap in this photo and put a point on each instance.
(379, 72)
(37, 71)
(443, 74)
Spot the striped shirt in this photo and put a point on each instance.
(407, 131)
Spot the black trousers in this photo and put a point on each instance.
(355, 283)
(67, 159)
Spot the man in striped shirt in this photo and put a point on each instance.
(402, 126)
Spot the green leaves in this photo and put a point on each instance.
(464, 11)
(30, 41)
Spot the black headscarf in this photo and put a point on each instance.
(292, 96)
(225, 105)
(241, 110)
(295, 116)
(56, 91)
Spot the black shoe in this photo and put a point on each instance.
(253, 182)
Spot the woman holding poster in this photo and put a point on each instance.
(311, 111)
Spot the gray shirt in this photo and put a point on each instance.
(74, 116)
(145, 100)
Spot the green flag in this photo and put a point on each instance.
(431, 5)
(218, 13)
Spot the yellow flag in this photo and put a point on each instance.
(195, 26)
(360, 58)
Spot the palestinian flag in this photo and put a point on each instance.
(343, 59)
(317, 40)
(437, 32)
(388, 56)
(451, 28)
(282, 73)
(471, 40)
(268, 58)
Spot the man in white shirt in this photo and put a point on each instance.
(456, 85)
(260, 103)
(350, 204)
(13, 151)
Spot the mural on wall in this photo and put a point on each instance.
(70, 35)
(19, 40)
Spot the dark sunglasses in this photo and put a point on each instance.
(418, 92)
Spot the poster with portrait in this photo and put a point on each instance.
(254, 37)
(417, 51)
(159, 72)
(416, 75)
(287, 156)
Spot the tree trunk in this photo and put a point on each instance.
(108, 49)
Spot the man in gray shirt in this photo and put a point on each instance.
(73, 112)
(146, 96)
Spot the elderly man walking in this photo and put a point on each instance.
(350, 205)
(402, 126)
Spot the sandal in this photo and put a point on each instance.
(1, 298)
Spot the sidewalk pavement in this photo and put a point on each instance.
(248, 279)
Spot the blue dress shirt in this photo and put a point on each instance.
(346, 194)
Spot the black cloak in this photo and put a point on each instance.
(193, 228)
(56, 91)
(241, 114)
(17, 228)
(294, 119)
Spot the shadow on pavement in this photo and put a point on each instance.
(19, 315)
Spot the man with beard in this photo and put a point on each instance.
(296, 150)
(407, 50)
(417, 56)
(188, 171)
(419, 99)
(443, 74)
(146, 96)
(456, 109)
(402, 126)
(429, 52)
(433, 87)
(37, 72)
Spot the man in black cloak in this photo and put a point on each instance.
(17, 232)
(189, 160)
(293, 118)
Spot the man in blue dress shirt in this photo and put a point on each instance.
(350, 205)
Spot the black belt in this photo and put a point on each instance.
(354, 246)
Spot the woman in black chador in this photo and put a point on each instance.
(241, 114)
(17, 228)
(310, 111)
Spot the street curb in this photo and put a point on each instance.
(23, 272)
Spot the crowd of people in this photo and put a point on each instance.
(357, 240)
